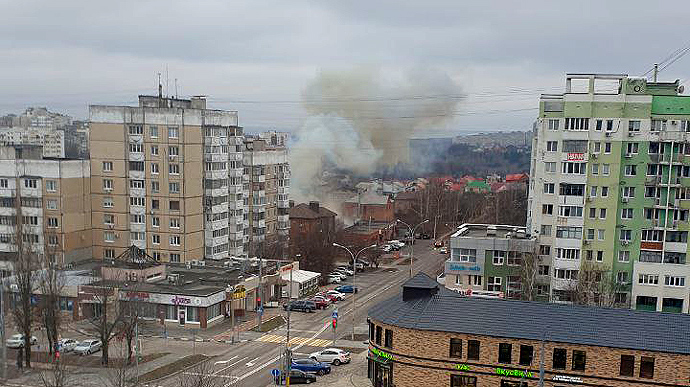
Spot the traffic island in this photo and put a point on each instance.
(270, 324)
(172, 368)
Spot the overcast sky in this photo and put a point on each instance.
(257, 56)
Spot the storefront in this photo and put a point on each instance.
(380, 368)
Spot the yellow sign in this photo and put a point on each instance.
(239, 295)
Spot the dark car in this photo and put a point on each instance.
(347, 289)
(301, 305)
(311, 366)
(426, 236)
(299, 377)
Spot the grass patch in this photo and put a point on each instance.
(269, 325)
(93, 360)
(406, 261)
(177, 365)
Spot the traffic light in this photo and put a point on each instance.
(335, 322)
(258, 302)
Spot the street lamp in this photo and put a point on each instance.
(411, 237)
(354, 281)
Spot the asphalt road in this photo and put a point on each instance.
(249, 364)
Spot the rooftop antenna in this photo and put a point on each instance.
(160, 87)
(656, 71)
(175, 88)
(167, 81)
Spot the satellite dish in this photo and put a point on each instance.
(681, 89)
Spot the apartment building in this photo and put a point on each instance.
(50, 200)
(477, 342)
(266, 190)
(52, 141)
(491, 260)
(166, 177)
(611, 187)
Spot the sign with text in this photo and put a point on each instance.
(455, 266)
(567, 379)
(576, 156)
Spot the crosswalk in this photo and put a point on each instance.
(295, 341)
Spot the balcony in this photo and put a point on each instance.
(135, 156)
(209, 140)
(216, 157)
(283, 203)
(652, 180)
(137, 175)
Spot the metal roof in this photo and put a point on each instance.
(448, 311)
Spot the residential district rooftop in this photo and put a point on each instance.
(470, 230)
(424, 305)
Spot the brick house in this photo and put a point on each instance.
(369, 206)
(433, 336)
(306, 219)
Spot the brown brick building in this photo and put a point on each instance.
(428, 335)
(306, 219)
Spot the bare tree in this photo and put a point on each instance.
(108, 318)
(24, 270)
(595, 286)
(56, 376)
(529, 268)
(201, 375)
(51, 283)
(122, 374)
(130, 319)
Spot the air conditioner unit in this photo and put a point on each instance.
(631, 134)
(608, 134)
(110, 226)
(586, 242)
(628, 156)
(625, 243)
(624, 200)
(117, 235)
(593, 155)
(14, 287)
(201, 263)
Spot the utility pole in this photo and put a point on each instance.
(354, 285)
(656, 71)
(2, 327)
(411, 237)
(288, 353)
(259, 295)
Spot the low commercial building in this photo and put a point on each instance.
(303, 282)
(428, 335)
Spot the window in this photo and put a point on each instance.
(154, 168)
(599, 124)
(647, 367)
(372, 330)
(137, 184)
(552, 146)
(629, 192)
(571, 189)
(109, 236)
(577, 124)
(579, 360)
(543, 270)
(562, 253)
(607, 147)
(136, 129)
(526, 354)
(107, 184)
(154, 150)
(499, 257)
(494, 284)
(670, 280)
(627, 213)
(627, 365)
(626, 235)
(3, 183)
(550, 166)
(609, 125)
(174, 169)
(630, 170)
(544, 250)
(137, 218)
(565, 274)
(604, 191)
(634, 125)
(602, 213)
(622, 277)
(135, 147)
(569, 232)
(547, 209)
(595, 169)
(174, 240)
(153, 131)
(174, 187)
(549, 188)
(632, 148)
(155, 221)
(52, 240)
(108, 219)
(553, 124)
(624, 256)
(570, 211)
(51, 186)
(107, 166)
(379, 332)
(174, 205)
(467, 255)
(136, 236)
(605, 169)
(658, 125)
(560, 356)
(648, 279)
(455, 348)
(475, 280)
(472, 349)
(546, 229)
(173, 132)
(107, 202)
(593, 191)
(173, 151)
(574, 168)
(109, 253)
(463, 381)
(597, 147)
(505, 353)
(592, 213)
(155, 186)
(51, 204)
(155, 204)
(174, 257)
(174, 222)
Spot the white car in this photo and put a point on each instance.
(342, 276)
(345, 271)
(397, 243)
(332, 279)
(17, 341)
(87, 347)
(333, 356)
(67, 345)
(336, 294)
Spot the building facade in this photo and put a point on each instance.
(481, 342)
(49, 200)
(166, 177)
(611, 187)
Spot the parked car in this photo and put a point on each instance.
(299, 377)
(398, 243)
(336, 294)
(333, 356)
(67, 345)
(17, 341)
(426, 236)
(443, 250)
(346, 289)
(342, 276)
(438, 244)
(334, 279)
(87, 347)
(386, 248)
(330, 297)
(345, 270)
(311, 365)
(320, 302)
(301, 305)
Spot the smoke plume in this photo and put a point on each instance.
(362, 119)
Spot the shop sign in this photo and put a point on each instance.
(177, 300)
(239, 292)
(462, 367)
(567, 379)
(139, 296)
(576, 156)
(381, 353)
(516, 373)
(459, 267)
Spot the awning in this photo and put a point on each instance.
(300, 276)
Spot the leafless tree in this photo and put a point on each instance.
(56, 376)
(200, 375)
(529, 268)
(51, 284)
(109, 319)
(24, 270)
(130, 319)
(595, 285)
(122, 374)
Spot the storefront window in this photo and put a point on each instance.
(463, 381)
(213, 311)
(170, 312)
(192, 314)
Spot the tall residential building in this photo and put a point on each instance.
(51, 201)
(611, 187)
(266, 191)
(166, 177)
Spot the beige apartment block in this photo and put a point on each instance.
(161, 179)
(50, 199)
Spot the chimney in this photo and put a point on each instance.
(314, 206)
(291, 203)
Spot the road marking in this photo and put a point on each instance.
(251, 362)
(309, 341)
(233, 364)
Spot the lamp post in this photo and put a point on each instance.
(354, 281)
(411, 238)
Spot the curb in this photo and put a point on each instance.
(198, 340)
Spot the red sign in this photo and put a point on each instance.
(576, 156)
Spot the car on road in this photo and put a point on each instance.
(333, 356)
(87, 347)
(300, 377)
(340, 296)
(17, 341)
(67, 345)
(443, 250)
(346, 289)
(301, 305)
(311, 366)
(320, 302)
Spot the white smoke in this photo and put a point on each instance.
(361, 119)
